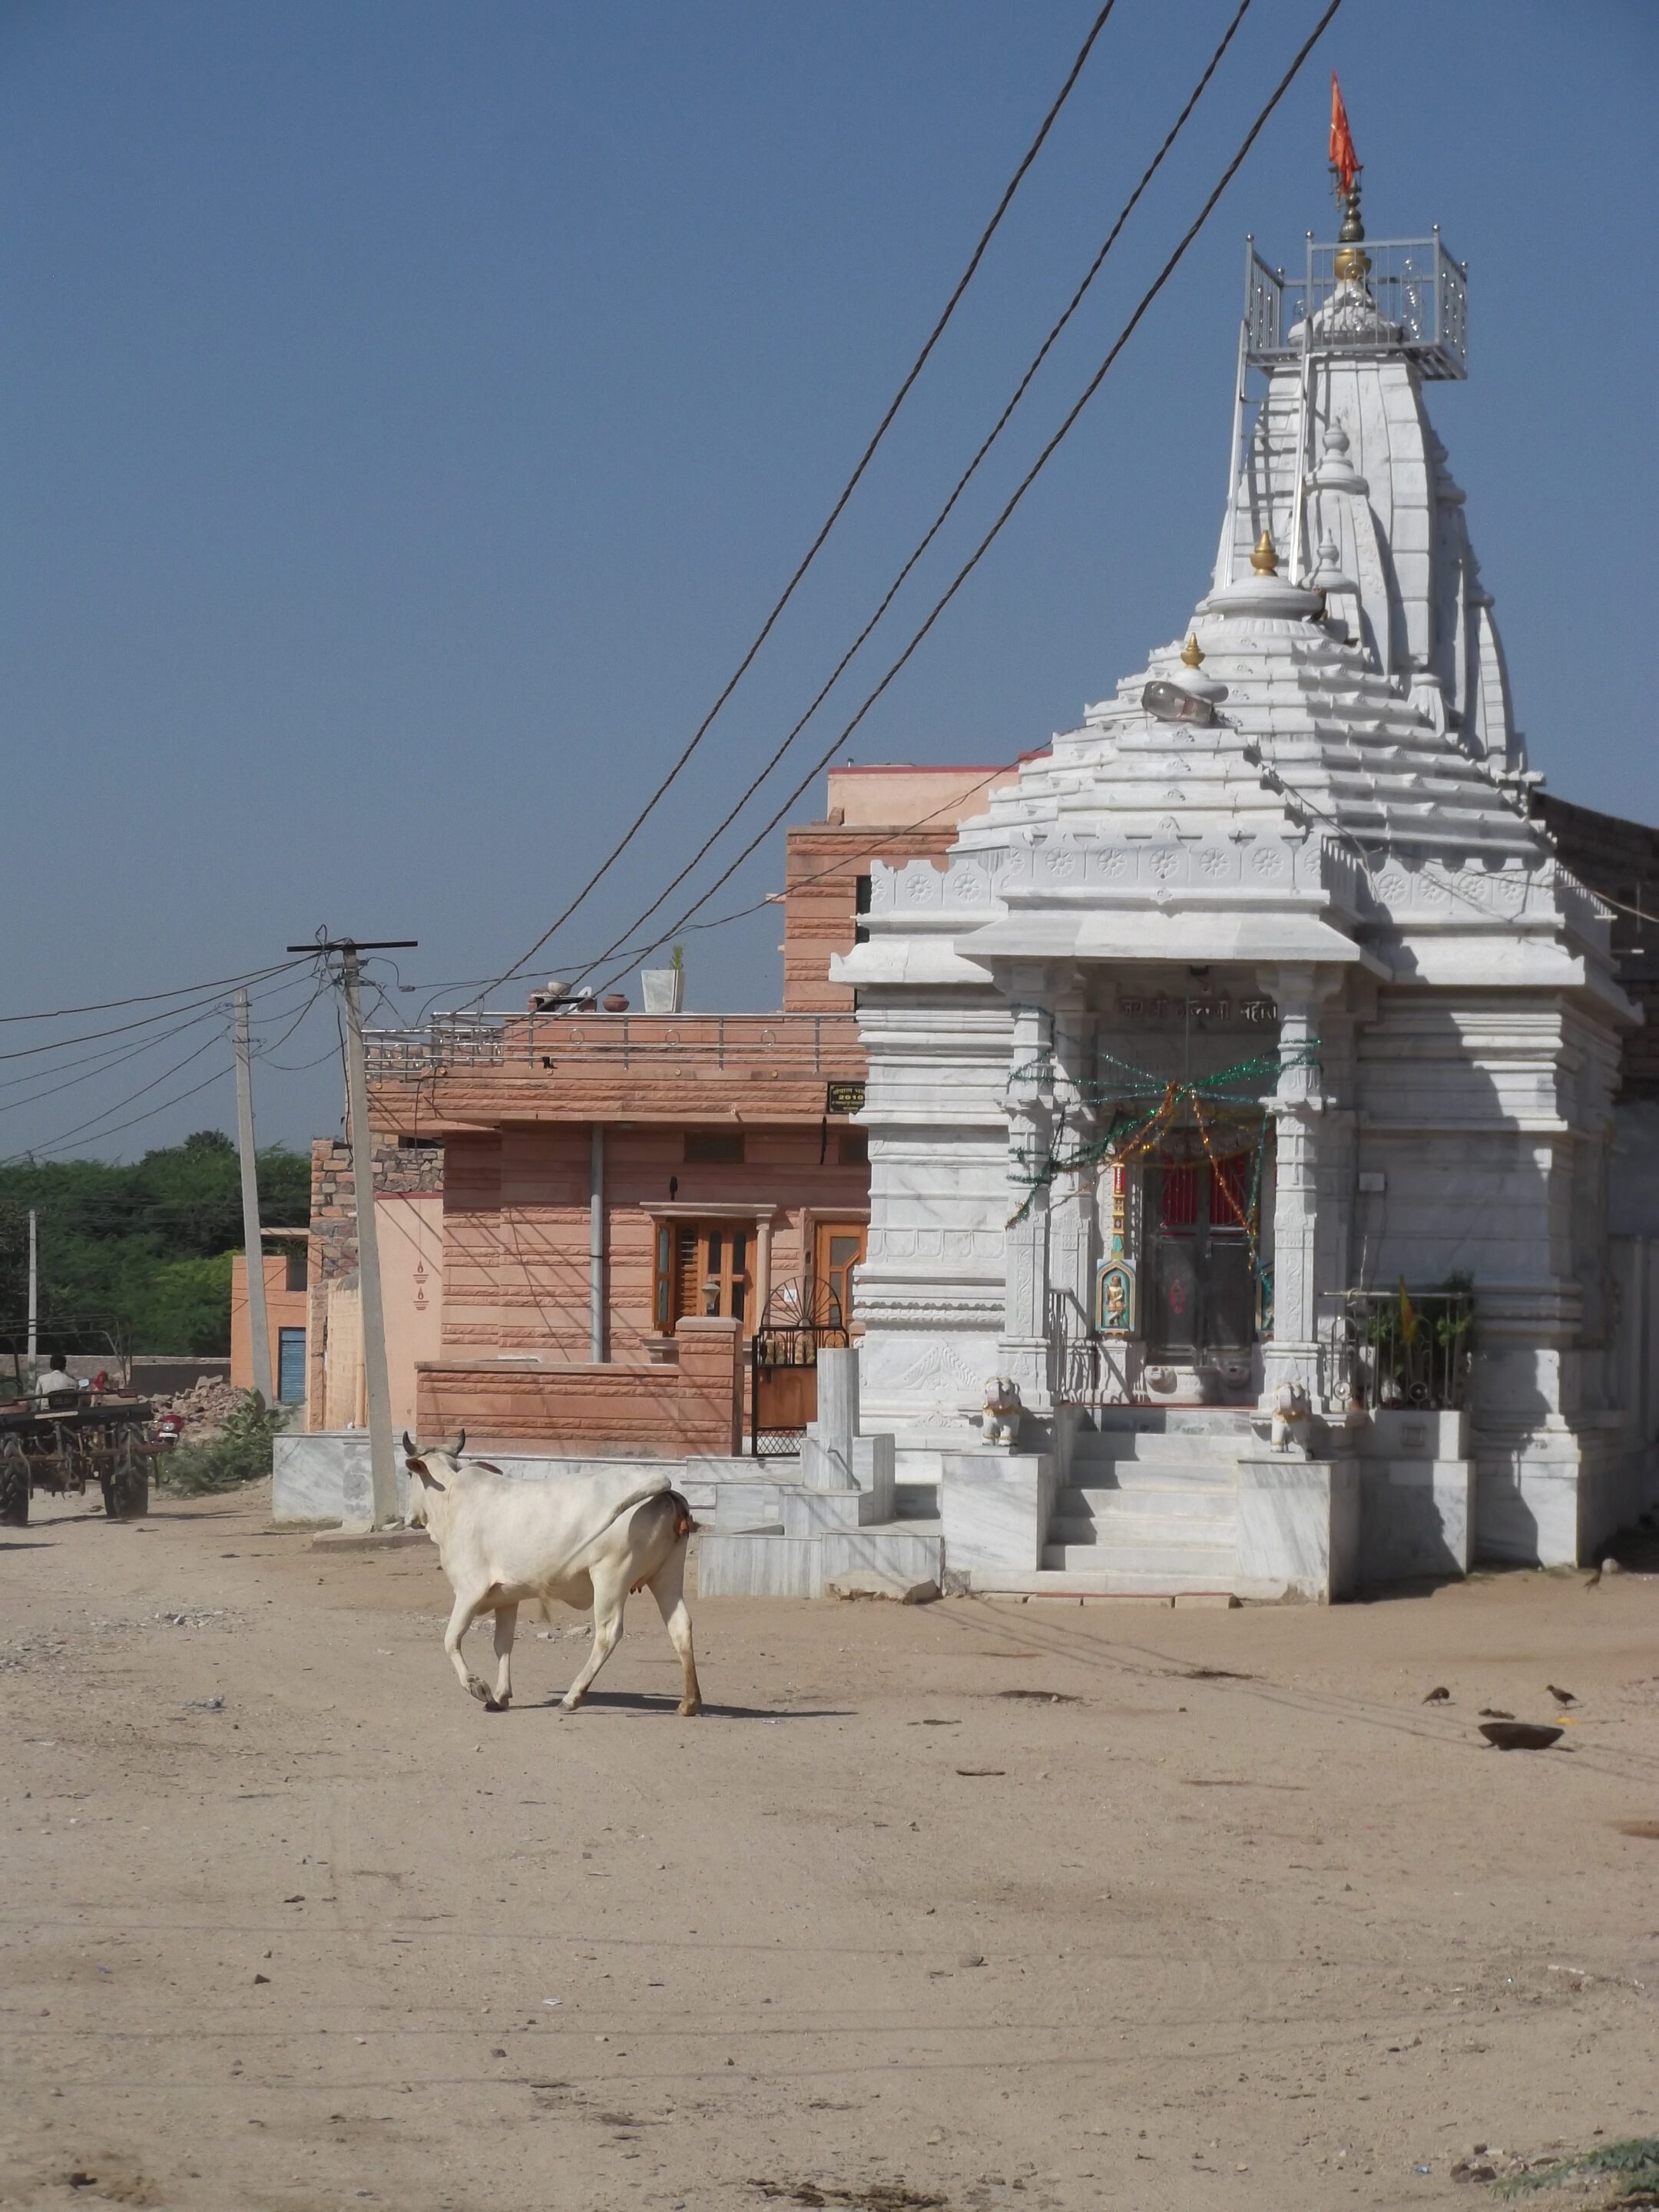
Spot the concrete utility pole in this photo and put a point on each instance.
(383, 1472)
(35, 1295)
(258, 1327)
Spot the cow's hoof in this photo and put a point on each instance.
(492, 1703)
(570, 1704)
(479, 1690)
(689, 1708)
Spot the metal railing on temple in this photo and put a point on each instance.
(1400, 1348)
(1077, 1366)
(1421, 296)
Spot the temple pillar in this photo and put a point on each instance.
(1070, 1319)
(1022, 1347)
(1292, 1354)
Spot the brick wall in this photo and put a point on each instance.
(629, 1408)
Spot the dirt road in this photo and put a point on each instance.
(964, 1904)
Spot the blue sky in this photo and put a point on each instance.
(408, 412)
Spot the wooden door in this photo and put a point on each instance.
(838, 1247)
(1203, 1287)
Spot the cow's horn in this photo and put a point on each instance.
(455, 1449)
(409, 1446)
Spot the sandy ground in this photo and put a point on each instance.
(965, 1905)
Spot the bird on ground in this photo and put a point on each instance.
(1561, 1697)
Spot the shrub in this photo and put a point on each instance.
(239, 1453)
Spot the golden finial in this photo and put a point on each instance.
(1264, 560)
(1353, 264)
(1190, 655)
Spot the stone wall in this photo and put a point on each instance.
(398, 1167)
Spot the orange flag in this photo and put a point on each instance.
(1343, 160)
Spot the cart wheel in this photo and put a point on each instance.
(133, 1494)
(126, 1493)
(14, 1490)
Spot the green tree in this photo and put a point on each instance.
(144, 1250)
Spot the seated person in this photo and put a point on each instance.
(54, 1378)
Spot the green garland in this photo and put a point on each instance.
(1130, 1130)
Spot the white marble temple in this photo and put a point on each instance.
(1335, 885)
(322, 1475)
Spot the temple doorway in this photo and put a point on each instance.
(1203, 1303)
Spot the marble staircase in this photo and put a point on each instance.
(1150, 1504)
(836, 1514)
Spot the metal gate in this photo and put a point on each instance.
(801, 1317)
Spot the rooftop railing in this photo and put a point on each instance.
(818, 1044)
(1419, 294)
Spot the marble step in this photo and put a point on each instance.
(749, 1505)
(1171, 1490)
(1167, 1421)
(1073, 1582)
(1142, 1448)
(816, 1512)
(1192, 1564)
(762, 1563)
(1114, 1518)
(758, 1564)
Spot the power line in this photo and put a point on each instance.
(105, 1062)
(150, 1115)
(962, 483)
(206, 995)
(1018, 494)
(151, 998)
(847, 490)
(144, 1090)
(90, 1126)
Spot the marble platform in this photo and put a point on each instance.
(995, 1507)
(323, 1476)
(1298, 1527)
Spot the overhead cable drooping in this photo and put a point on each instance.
(153, 997)
(1016, 496)
(847, 490)
(944, 513)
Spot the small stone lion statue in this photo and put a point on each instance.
(1293, 1417)
(999, 1422)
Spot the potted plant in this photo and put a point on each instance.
(663, 989)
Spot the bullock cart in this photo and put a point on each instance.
(68, 1441)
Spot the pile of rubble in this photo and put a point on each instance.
(205, 1407)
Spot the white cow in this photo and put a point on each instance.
(586, 1543)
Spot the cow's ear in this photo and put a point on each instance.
(419, 1467)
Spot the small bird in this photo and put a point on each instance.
(1561, 1697)
(1495, 1713)
(1440, 1696)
